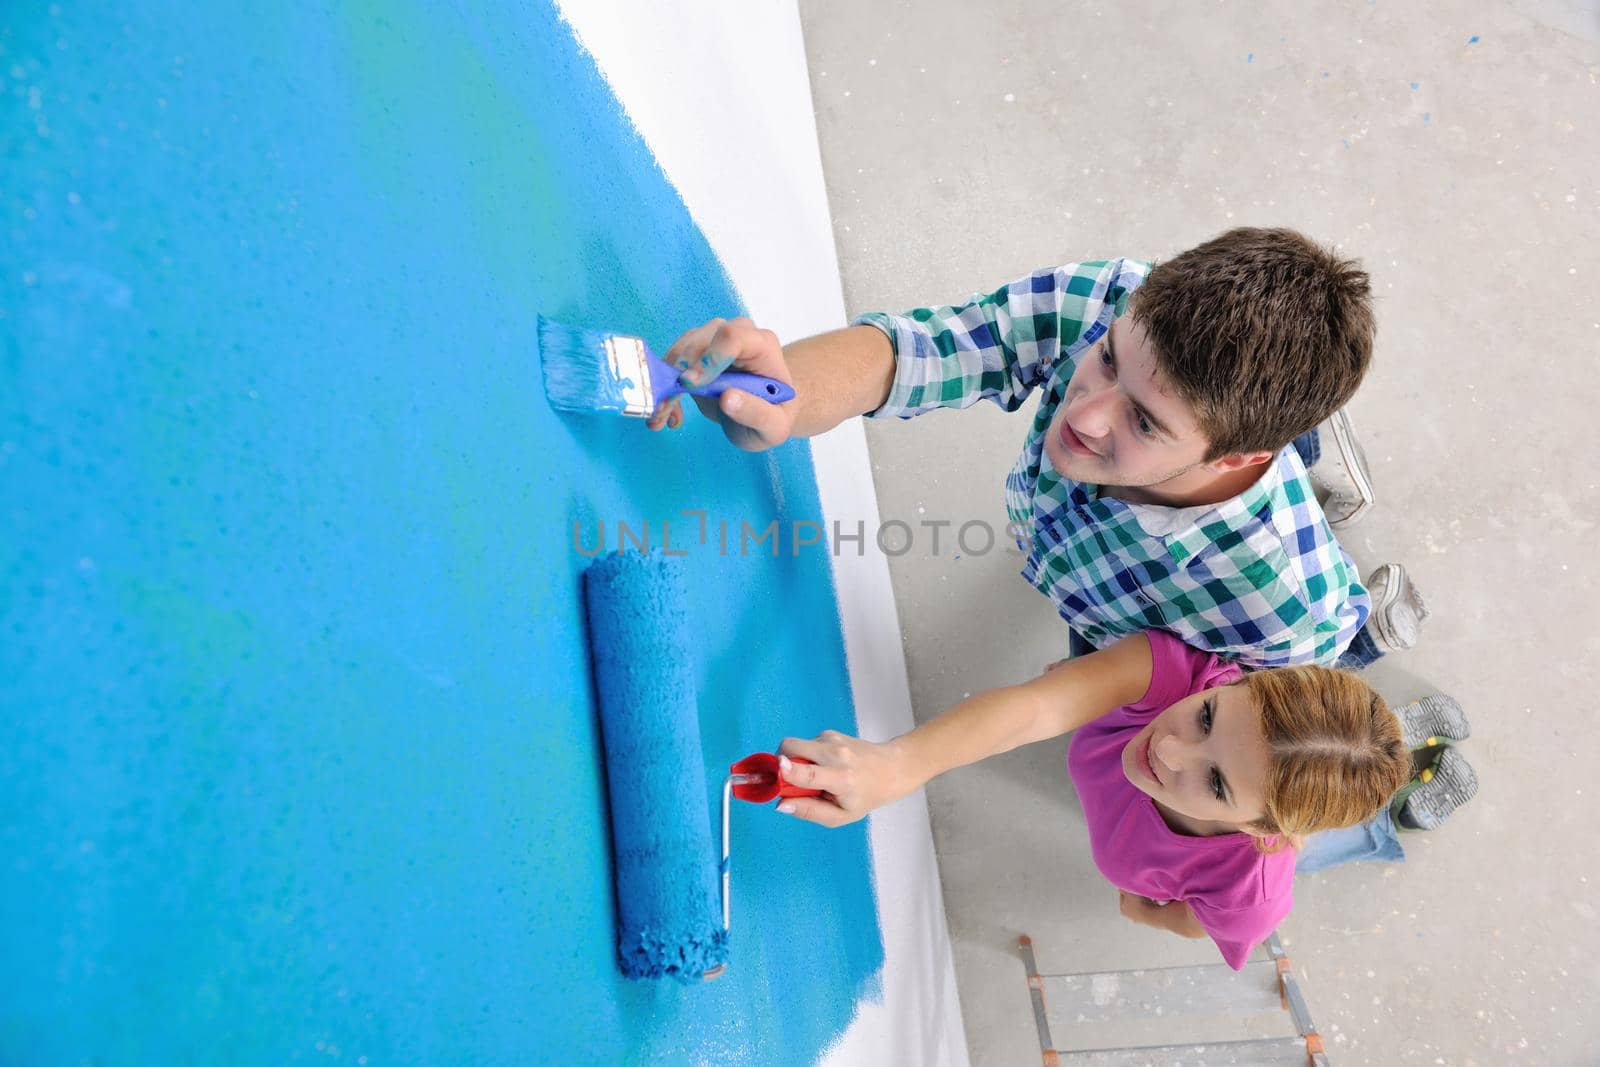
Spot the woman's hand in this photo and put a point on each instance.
(855, 777)
(1174, 915)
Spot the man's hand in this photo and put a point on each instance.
(705, 352)
(1175, 915)
(855, 777)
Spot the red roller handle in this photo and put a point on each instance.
(772, 786)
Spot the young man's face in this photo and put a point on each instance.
(1204, 758)
(1120, 423)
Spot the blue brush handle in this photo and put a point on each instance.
(769, 389)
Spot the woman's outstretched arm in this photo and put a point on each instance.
(859, 776)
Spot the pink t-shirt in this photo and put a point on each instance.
(1238, 893)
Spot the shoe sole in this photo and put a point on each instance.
(1452, 783)
(1433, 716)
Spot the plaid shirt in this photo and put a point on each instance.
(1258, 578)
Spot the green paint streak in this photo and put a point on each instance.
(439, 132)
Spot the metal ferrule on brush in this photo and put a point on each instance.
(630, 368)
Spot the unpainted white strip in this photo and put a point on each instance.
(720, 93)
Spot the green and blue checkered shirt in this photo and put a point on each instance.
(1258, 578)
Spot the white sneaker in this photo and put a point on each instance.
(1398, 610)
(1342, 472)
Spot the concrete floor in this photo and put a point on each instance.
(967, 144)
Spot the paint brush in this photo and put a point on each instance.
(592, 371)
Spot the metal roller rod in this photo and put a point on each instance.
(727, 798)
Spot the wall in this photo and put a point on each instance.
(299, 754)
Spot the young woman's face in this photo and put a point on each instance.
(1205, 759)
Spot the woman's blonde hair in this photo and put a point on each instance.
(1335, 749)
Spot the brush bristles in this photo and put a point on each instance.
(590, 371)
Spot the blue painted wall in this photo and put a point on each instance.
(298, 753)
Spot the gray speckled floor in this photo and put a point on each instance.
(966, 144)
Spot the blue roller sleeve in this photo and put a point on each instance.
(668, 908)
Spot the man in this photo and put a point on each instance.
(1156, 488)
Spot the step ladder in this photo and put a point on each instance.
(1209, 998)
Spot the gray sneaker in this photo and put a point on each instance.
(1430, 798)
(1398, 611)
(1433, 719)
(1341, 472)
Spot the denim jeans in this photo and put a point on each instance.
(1363, 652)
(1309, 445)
(1373, 840)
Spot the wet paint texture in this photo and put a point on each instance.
(298, 753)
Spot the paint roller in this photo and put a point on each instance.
(669, 922)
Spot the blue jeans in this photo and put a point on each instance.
(1309, 445)
(1374, 840)
(1363, 652)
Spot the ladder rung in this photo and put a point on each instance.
(1269, 1052)
(1166, 991)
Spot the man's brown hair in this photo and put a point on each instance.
(1263, 332)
